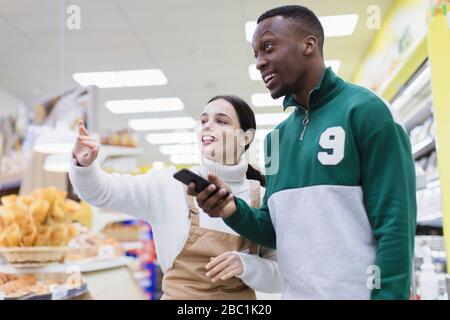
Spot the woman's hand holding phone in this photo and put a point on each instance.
(86, 148)
(215, 204)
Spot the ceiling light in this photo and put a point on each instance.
(261, 134)
(146, 105)
(125, 78)
(265, 100)
(158, 165)
(339, 25)
(162, 123)
(56, 140)
(179, 149)
(171, 138)
(185, 158)
(269, 119)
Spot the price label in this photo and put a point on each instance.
(59, 292)
(106, 251)
(74, 280)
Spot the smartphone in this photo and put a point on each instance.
(187, 177)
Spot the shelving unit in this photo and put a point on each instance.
(10, 182)
(418, 91)
(84, 266)
(423, 148)
(108, 151)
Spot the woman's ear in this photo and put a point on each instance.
(248, 136)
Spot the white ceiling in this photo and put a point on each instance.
(200, 46)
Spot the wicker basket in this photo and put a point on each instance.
(32, 256)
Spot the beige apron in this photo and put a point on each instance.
(187, 280)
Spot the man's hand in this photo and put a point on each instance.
(225, 266)
(216, 200)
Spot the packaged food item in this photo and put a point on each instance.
(122, 138)
(89, 246)
(126, 230)
(41, 286)
(18, 286)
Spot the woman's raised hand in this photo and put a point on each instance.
(86, 149)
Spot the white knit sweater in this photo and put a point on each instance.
(159, 199)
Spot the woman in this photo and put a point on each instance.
(201, 257)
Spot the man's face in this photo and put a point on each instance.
(278, 49)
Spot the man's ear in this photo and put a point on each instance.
(309, 45)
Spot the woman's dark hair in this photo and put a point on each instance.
(247, 121)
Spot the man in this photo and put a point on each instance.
(342, 204)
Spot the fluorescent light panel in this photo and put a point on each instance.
(261, 134)
(171, 138)
(179, 149)
(162, 123)
(184, 158)
(145, 105)
(269, 119)
(54, 148)
(334, 26)
(125, 78)
(265, 100)
(158, 165)
(339, 25)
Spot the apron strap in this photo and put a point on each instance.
(193, 210)
(255, 193)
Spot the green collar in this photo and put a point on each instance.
(326, 88)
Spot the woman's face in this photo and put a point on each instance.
(220, 135)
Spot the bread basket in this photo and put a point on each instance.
(32, 256)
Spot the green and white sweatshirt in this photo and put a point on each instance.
(341, 208)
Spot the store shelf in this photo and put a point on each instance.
(133, 245)
(433, 220)
(432, 178)
(413, 59)
(423, 147)
(84, 266)
(103, 218)
(107, 151)
(10, 182)
(419, 114)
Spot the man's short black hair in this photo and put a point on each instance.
(304, 17)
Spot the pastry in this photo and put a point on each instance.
(10, 236)
(59, 235)
(9, 200)
(39, 210)
(6, 217)
(43, 236)
(29, 233)
(43, 218)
